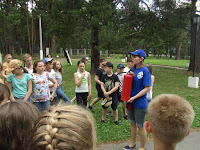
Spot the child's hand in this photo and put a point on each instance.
(132, 73)
(51, 97)
(106, 94)
(89, 98)
(108, 98)
(83, 74)
(131, 100)
(32, 100)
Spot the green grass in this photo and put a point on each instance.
(162, 61)
(166, 81)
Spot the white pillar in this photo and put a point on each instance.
(71, 52)
(106, 53)
(41, 54)
(47, 50)
(0, 58)
(85, 52)
(193, 82)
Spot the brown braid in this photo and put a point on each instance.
(68, 127)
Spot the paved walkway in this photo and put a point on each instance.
(170, 67)
(191, 142)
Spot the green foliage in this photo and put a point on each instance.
(159, 28)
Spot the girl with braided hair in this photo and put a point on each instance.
(68, 127)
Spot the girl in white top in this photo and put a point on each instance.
(27, 59)
(129, 65)
(83, 84)
(150, 93)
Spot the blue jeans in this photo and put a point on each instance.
(29, 99)
(61, 94)
(42, 105)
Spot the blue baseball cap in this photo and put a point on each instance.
(139, 52)
(45, 60)
(120, 66)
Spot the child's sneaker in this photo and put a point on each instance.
(89, 107)
(117, 122)
(130, 148)
(125, 117)
(103, 121)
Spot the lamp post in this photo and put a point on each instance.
(196, 22)
(40, 32)
(194, 81)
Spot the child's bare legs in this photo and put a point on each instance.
(115, 114)
(133, 134)
(94, 101)
(124, 108)
(73, 99)
(143, 137)
(104, 112)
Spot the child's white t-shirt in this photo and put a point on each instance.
(84, 83)
(126, 69)
(51, 74)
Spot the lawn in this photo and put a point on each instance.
(162, 61)
(166, 81)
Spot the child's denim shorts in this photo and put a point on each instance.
(137, 116)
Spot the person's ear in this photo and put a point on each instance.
(148, 127)
(188, 132)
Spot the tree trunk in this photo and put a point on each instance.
(5, 38)
(95, 56)
(53, 45)
(178, 53)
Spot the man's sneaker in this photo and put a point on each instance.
(117, 122)
(89, 107)
(130, 148)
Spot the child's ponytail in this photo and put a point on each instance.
(24, 69)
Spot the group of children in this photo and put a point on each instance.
(169, 116)
(39, 83)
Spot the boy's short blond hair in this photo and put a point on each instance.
(170, 117)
